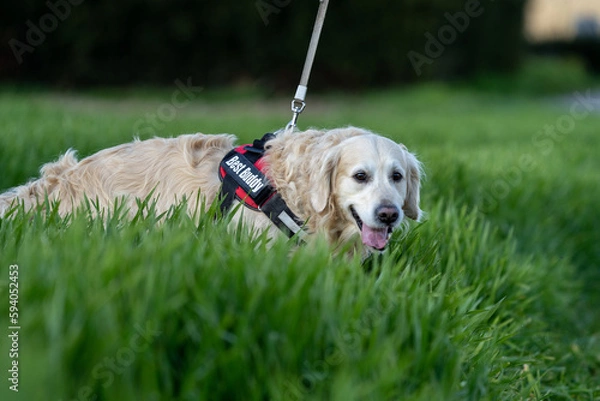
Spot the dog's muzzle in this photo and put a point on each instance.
(377, 237)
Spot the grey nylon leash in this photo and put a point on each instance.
(299, 103)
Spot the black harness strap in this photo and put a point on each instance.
(227, 194)
(281, 215)
(243, 180)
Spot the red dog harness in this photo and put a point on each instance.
(242, 174)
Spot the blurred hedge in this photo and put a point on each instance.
(364, 42)
(587, 49)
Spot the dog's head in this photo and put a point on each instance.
(372, 184)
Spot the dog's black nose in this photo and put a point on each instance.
(387, 214)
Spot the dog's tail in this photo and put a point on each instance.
(36, 191)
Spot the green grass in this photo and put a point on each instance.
(493, 297)
(539, 75)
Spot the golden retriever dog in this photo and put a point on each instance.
(344, 183)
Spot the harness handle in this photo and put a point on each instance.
(298, 103)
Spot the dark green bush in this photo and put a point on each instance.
(75, 42)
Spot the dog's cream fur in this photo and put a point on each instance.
(314, 171)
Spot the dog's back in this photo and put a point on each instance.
(171, 169)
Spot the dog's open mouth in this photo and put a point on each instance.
(374, 237)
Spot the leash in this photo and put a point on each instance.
(299, 103)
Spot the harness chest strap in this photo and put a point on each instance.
(243, 179)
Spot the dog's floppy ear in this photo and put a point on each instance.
(322, 179)
(411, 203)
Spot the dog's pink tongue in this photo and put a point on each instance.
(374, 237)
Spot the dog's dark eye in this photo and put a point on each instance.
(396, 176)
(361, 176)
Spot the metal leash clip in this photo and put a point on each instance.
(298, 104)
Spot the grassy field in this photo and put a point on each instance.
(493, 297)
